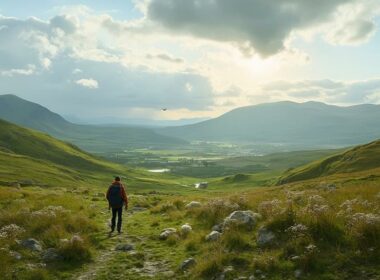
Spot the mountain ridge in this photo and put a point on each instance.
(288, 122)
(93, 138)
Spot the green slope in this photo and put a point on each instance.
(89, 137)
(41, 146)
(361, 158)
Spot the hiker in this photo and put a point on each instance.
(117, 197)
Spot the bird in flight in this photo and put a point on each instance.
(164, 109)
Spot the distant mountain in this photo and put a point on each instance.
(360, 158)
(309, 123)
(89, 137)
(112, 121)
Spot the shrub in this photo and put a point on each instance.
(163, 208)
(172, 239)
(75, 250)
(265, 262)
(233, 240)
(270, 208)
(283, 221)
(179, 204)
(365, 229)
(324, 229)
(210, 267)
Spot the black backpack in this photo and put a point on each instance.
(114, 196)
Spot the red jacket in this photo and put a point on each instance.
(122, 192)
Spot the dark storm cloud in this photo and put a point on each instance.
(260, 25)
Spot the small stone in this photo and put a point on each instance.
(32, 244)
(124, 247)
(186, 228)
(187, 264)
(193, 204)
(265, 237)
(213, 236)
(167, 232)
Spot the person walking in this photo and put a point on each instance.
(117, 198)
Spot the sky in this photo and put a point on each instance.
(122, 60)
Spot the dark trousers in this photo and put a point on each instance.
(119, 212)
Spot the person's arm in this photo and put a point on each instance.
(107, 196)
(124, 196)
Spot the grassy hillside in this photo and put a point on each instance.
(310, 123)
(89, 137)
(361, 158)
(34, 144)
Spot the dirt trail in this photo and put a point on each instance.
(104, 263)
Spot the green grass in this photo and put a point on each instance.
(358, 159)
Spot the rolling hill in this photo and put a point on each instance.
(360, 158)
(34, 158)
(33, 144)
(31, 156)
(310, 123)
(89, 137)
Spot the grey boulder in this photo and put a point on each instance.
(213, 236)
(247, 218)
(32, 244)
(187, 264)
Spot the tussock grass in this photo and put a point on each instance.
(50, 218)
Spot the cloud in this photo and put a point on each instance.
(29, 70)
(89, 83)
(353, 24)
(165, 57)
(261, 26)
(334, 92)
(65, 23)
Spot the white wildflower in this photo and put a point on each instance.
(316, 205)
(297, 230)
(270, 208)
(311, 248)
(49, 212)
(11, 231)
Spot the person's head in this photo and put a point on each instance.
(117, 179)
